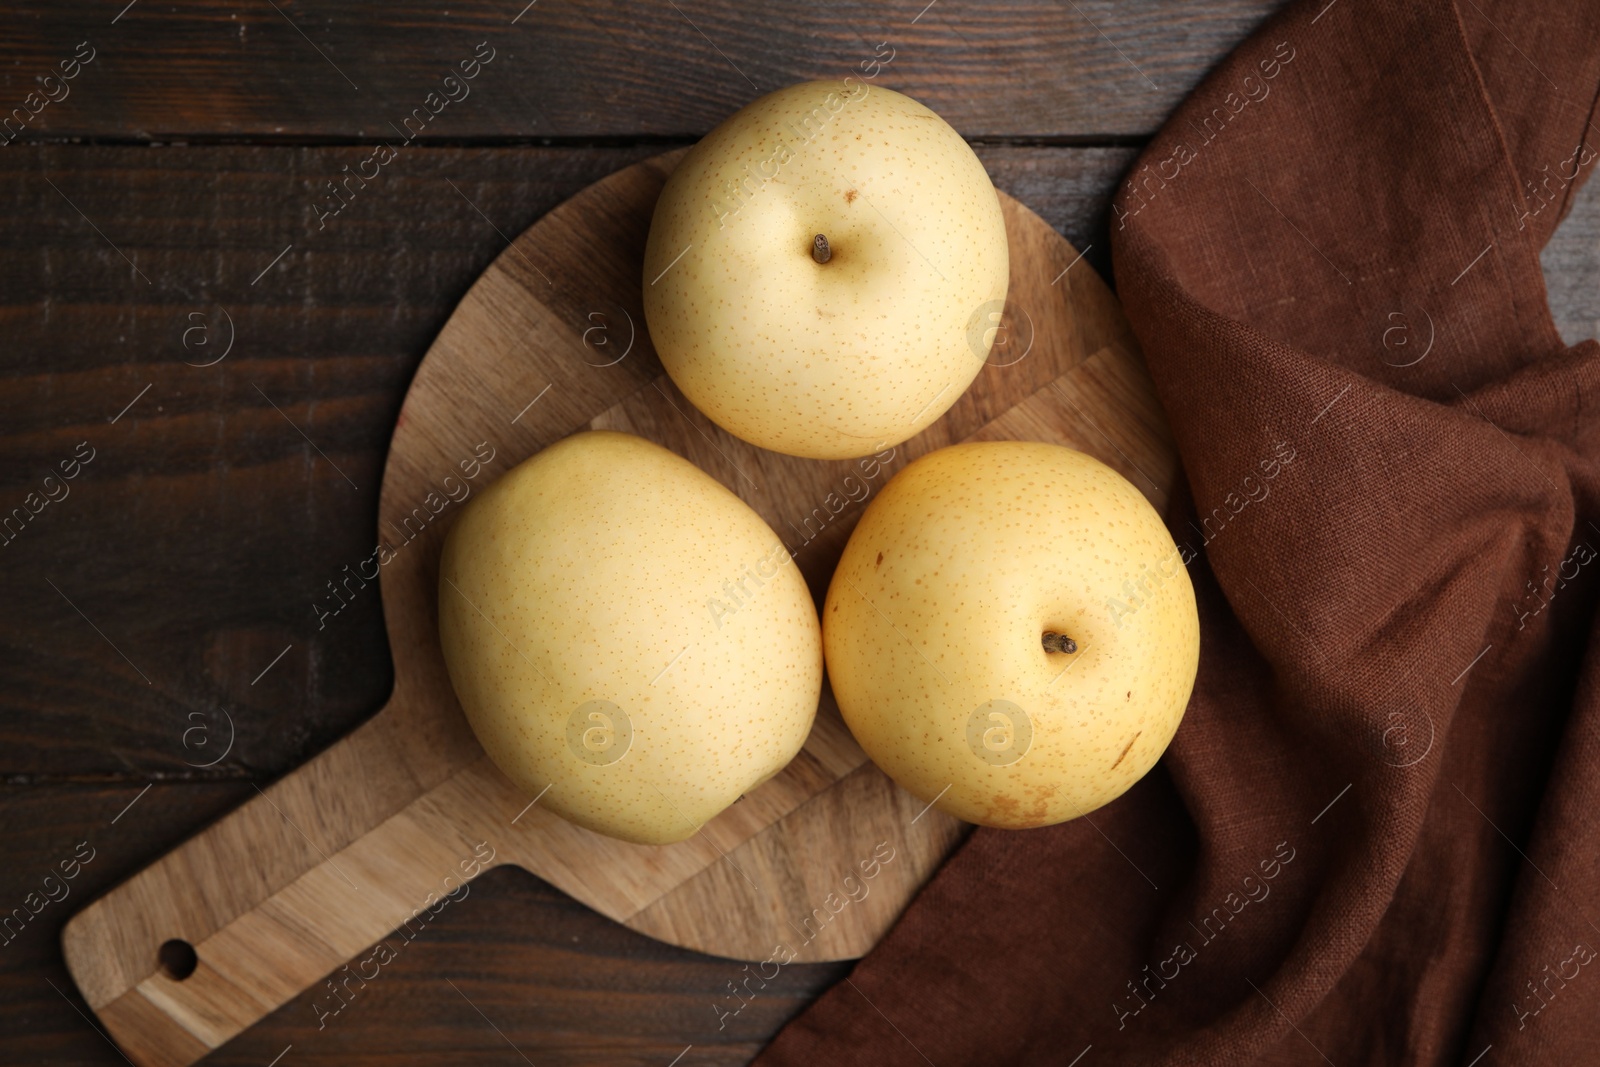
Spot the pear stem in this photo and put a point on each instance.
(820, 250)
(1054, 642)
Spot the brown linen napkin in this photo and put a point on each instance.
(1375, 838)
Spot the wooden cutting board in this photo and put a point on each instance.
(358, 845)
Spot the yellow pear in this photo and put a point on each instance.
(1011, 633)
(825, 270)
(624, 631)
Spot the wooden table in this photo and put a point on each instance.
(180, 294)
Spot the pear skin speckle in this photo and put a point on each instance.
(836, 359)
(621, 628)
(934, 624)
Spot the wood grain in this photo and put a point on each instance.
(568, 986)
(253, 523)
(206, 529)
(207, 526)
(1002, 68)
(369, 836)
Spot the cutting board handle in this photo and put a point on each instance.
(298, 888)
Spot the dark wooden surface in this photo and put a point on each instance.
(1080, 70)
(143, 214)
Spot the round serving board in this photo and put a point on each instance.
(357, 845)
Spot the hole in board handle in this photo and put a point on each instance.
(178, 959)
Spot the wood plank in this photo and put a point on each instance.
(206, 528)
(561, 69)
(72, 705)
(362, 837)
(65, 844)
(332, 335)
(566, 985)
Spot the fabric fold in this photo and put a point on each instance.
(1375, 839)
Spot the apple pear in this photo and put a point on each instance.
(622, 629)
(824, 270)
(1011, 633)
